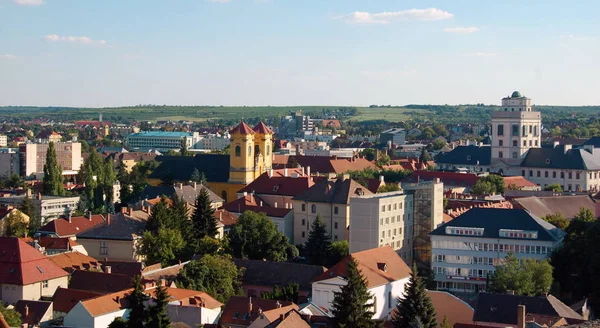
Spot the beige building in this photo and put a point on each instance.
(33, 157)
(379, 220)
(9, 162)
(3, 140)
(331, 200)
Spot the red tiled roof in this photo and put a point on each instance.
(242, 128)
(279, 184)
(332, 123)
(370, 262)
(252, 203)
(65, 299)
(322, 164)
(245, 315)
(71, 261)
(262, 128)
(450, 179)
(519, 181)
(63, 228)
(21, 264)
(32, 312)
(451, 307)
(50, 243)
(374, 185)
(225, 217)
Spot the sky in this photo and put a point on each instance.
(100, 53)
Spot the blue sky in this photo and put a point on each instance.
(297, 52)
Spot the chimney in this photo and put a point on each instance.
(108, 218)
(69, 214)
(302, 170)
(148, 210)
(261, 204)
(521, 316)
(124, 209)
(270, 173)
(510, 292)
(129, 210)
(107, 269)
(285, 172)
(278, 304)
(250, 305)
(26, 310)
(220, 215)
(308, 170)
(90, 215)
(180, 185)
(194, 185)
(281, 317)
(275, 204)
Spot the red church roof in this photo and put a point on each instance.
(242, 128)
(262, 128)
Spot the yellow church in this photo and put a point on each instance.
(250, 155)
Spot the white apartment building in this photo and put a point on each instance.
(382, 219)
(466, 250)
(161, 141)
(33, 157)
(213, 142)
(48, 207)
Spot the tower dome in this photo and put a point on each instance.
(516, 94)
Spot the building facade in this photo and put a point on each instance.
(162, 141)
(9, 162)
(33, 157)
(466, 250)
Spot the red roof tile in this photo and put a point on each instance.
(65, 299)
(451, 307)
(63, 228)
(225, 217)
(242, 128)
(519, 181)
(279, 184)
(332, 123)
(21, 264)
(71, 261)
(262, 128)
(244, 310)
(370, 263)
(450, 179)
(32, 312)
(252, 203)
(50, 243)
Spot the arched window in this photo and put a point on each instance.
(313, 208)
(224, 195)
(249, 151)
(268, 148)
(238, 151)
(562, 175)
(256, 150)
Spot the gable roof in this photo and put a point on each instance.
(99, 282)
(35, 311)
(71, 261)
(214, 166)
(324, 165)
(65, 299)
(225, 217)
(519, 181)
(467, 155)
(242, 128)
(291, 319)
(450, 179)
(21, 264)
(252, 203)
(329, 191)
(593, 141)
(188, 192)
(279, 184)
(567, 205)
(237, 310)
(119, 227)
(261, 127)
(502, 308)
(451, 307)
(379, 266)
(494, 219)
(78, 224)
(269, 273)
(50, 243)
(557, 158)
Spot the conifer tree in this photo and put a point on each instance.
(415, 307)
(157, 314)
(196, 177)
(53, 180)
(318, 244)
(352, 305)
(137, 308)
(203, 221)
(28, 208)
(160, 217)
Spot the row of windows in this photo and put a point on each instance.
(518, 234)
(238, 150)
(459, 286)
(474, 273)
(464, 231)
(313, 209)
(335, 224)
(389, 207)
(388, 220)
(440, 258)
(515, 143)
(533, 129)
(486, 247)
(562, 174)
(396, 232)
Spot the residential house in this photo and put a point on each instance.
(262, 276)
(188, 192)
(35, 313)
(70, 226)
(331, 200)
(282, 217)
(168, 274)
(450, 307)
(27, 274)
(275, 318)
(276, 188)
(64, 299)
(47, 207)
(474, 158)
(71, 261)
(129, 159)
(325, 165)
(393, 137)
(48, 136)
(501, 310)
(385, 272)
(243, 311)
(466, 250)
(118, 238)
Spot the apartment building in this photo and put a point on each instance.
(48, 207)
(378, 220)
(213, 142)
(9, 162)
(466, 250)
(162, 141)
(33, 157)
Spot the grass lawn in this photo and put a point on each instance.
(389, 114)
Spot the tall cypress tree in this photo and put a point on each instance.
(137, 308)
(352, 305)
(318, 244)
(157, 314)
(415, 304)
(203, 221)
(53, 180)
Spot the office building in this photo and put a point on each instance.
(33, 158)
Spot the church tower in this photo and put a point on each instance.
(263, 149)
(241, 154)
(515, 129)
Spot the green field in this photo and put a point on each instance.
(394, 114)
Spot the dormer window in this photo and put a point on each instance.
(382, 266)
(275, 188)
(547, 161)
(468, 158)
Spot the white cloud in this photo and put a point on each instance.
(7, 56)
(29, 2)
(461, 30)
(73, 39)
(429, 14)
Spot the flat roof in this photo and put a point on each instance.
(160, 134)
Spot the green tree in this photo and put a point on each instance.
(162, 246)
(339, 250)
(217, 275)
(196, 176)
(388, 188)
(369, 154)
(585, 215)
(530, 278)
(15, 225)
(318, 244)
(553, 187)
(384, 159)
(119, 322)
(425, 157)
(137, 308)
(28, 208)
(482, 188)
(161, 217)
(53, 179)
(415, 304)
(12, 317)
(352, 305)
(203, 221)
(158, 316)
(256, 237)
(183, 149)
(286, 293)
(557, 220)
(513, 186)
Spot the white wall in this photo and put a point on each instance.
(78, 317)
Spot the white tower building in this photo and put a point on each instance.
(515, 129)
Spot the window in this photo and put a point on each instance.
(389, 300)
(515, 143)
(524, 143)
(303, 222)
(335, 210)
(515, 154)
(313, 208)
(45, 284)
(524, 131)
(335, 225)
(268, 149)
(535, 131)
(562, 175)
(335, 238)
(256, 150)
(303, 207)
(249, 151)
(545, 174)
(570, 176)
(383, 234)
(383, 208)
(500, 154)
(530, 143)
(538, 173)
(523, 172)
(501, 143)
(103, 247)
(303, 234)
(531, 129)
(536, 142)
(515, 130)
(238, 151)
(577, 175)
(530, 173)
(389, 207)
(500, 129)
